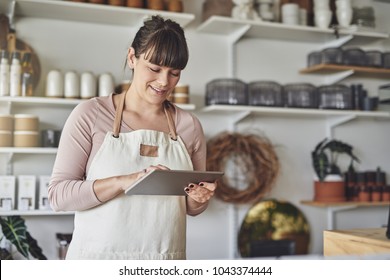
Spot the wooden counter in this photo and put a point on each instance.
(366, 241)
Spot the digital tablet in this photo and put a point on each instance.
(170, 182)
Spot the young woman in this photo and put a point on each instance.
(110, 142)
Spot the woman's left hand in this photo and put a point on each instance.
(201, 192)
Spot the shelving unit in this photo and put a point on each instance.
(334, 207)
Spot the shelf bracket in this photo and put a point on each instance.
(11, 14)
(10, 169)
(237, 117)
(333, 210)
(337, 77)
(333, 122)
(233, 38)
(337, 42)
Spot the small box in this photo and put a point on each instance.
(26, 192)
(384, 94)
(7, 193)
(43, 202)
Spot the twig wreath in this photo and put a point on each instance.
(254, 163)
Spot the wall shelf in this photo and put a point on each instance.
(13, 150)
(332, 68)
(334, 207)
(35, 213)
(62, 102)
(297, 112)
(91, 13)
(227, 26)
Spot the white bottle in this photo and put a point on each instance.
(4, 74)
(15, 75)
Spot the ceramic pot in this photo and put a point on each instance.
(330, 190)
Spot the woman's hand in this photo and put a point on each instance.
(201, 192)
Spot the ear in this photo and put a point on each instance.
(131, 59)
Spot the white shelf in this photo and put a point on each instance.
(34, 213)
(227, 26)
(14, 150)
(92, 13)
(61, 101)
(276, 111)
(40, 100)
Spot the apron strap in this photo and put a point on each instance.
(118, 118)
(171, 123)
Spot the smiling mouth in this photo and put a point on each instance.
(158, 91)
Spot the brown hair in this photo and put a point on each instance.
(163, 43)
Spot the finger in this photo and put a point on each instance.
(163, 167)
(209, 186)
(198, 193)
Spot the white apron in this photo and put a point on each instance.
(134, 227)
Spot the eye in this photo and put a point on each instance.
(175, 74)
(155, 70)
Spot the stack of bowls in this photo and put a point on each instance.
(6, 130)
(26, 130)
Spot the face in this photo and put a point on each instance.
(152, 82)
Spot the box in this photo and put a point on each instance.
(26, 190)
(43, 201)
(7, 193)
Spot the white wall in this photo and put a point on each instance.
(99, 48)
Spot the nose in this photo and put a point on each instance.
(163, 78)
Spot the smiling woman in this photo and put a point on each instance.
(114, 139)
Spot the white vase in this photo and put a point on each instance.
(322, 18)
(344, 16)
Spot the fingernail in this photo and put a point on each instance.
(201, 184)
(187, 189)
(191, 186)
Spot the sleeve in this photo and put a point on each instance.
(198, 155)
(68, 190)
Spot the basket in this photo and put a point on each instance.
(314, 58)
(335, 97)
(226, 91)
(386, 60)
(355, 57)
(265, 93)
(332, 56)
(301, 95)
(374, 58)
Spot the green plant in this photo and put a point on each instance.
(14, 229)
(325, 157)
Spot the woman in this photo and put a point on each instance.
(110, 142)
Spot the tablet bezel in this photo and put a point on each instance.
(170, 182)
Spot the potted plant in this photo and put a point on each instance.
(15, 231)
(329, 184)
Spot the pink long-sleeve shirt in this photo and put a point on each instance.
(81, 138)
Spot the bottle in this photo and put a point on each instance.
(15, 75)
(4, 74)
(27, 75)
